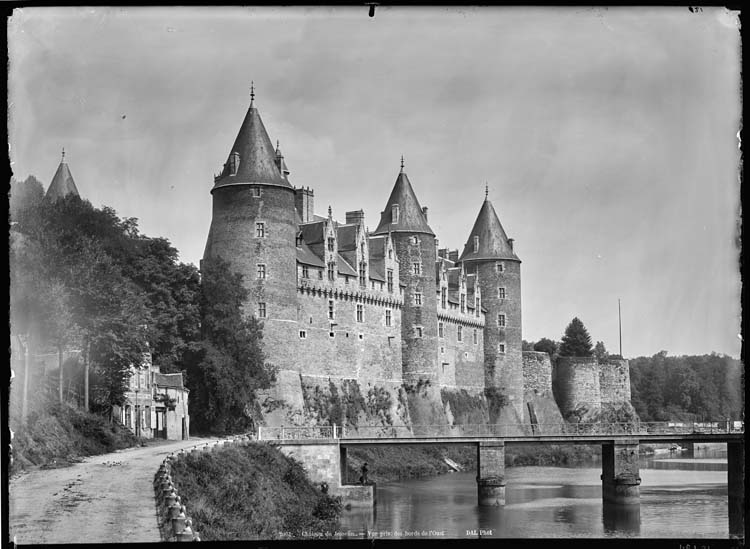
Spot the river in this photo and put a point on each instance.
(680, 498)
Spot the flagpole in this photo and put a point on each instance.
(619, 321)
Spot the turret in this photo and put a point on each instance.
(404, 219)
(62, 183)
(253, 227)
(489, 253)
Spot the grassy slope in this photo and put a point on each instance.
(251, 492)
(63, 433)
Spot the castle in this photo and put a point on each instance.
(384, 327)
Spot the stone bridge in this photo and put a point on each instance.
(323, 450)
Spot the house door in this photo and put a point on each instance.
(184, 429)
(161, 424)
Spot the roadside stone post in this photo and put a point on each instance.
(736, 488)
(620, 475)
(491, 473)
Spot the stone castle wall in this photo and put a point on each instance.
(614, 381)
(578, 392)
(540, 407)
(461, 363)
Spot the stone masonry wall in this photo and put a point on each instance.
(614, 381)
(461, 362)
(578, 391)
(540, 408)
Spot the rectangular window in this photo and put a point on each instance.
(463, 303)
(390, 254)
(256, 192)
(387, 317)
(501, 321)
(261, 270)
(303, 334)
(501, 348)
(442, 352)
(331, 271)
(476, 337)
(441, 328)
(443, 297)
(418, 299)
(500, 267)
(331, 243)
(305, 271)
(363, 274)
(320, 274)
(476, 244)
(416, 268)
(360, 313)
(501, 293)
(460, 333)
(260, 230)
(477, 307)
(331, 311)
(418, 331)
(261, 310)
(390, 280)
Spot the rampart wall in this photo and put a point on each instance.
(578, 391)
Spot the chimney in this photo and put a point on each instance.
(510, 241)
(453, 255)
(424, 212)
(303, 202)
(443, 252)
(356, 217)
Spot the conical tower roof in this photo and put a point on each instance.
(252, 158)
(62, 183)
(411, 218)
(493, 242)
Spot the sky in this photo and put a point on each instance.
(608, 138)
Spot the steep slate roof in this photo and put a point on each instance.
(411, 218)
(306, 256)
(344, 267)
(172, 381)
(257, 156)
(312, 233)
(376, 248)
(62, 183)
(493, 242)
(346, 236)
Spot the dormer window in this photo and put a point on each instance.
(476, 244)
(394, 213)
(234, 163)
(331, 244)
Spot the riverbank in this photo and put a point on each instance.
(251, 492)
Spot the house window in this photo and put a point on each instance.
(331, 334)
(460, 333)
(476, 338)
(320, 274)
(331, 271)
(418, 330)
(234, 163)
(463, 303)
(466, 354)
(363, 273)
(390, 280)
(416, 268)
(500, 267)
(441, 329)
(477, 307)
(476, 244)
(442, 352)
(261, 310)
(394, 213)
(331, 244)
(501, 293)
(305, 271)
(360, 313)
(331, 311)
(390, 254)
(417, 299)
(256, 192)
(387, 317)
(501, 321)
(501, 348)
(261, 270)
(260, 230)
(444, 297)
(361, 336)
(303, 334)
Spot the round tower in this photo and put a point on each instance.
(253, 228)
(489, 253)
(406, 221)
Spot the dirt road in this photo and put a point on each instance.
(104, 499)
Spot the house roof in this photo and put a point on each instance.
(306, 256)
(493, 242)
(257, 157)
(411, 219)
(62, 183)
(344, 267)
(171, 381)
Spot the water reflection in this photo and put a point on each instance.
(621, 519)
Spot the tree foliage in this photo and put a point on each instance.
(576, 341)
(548, 346)
(226, 367)
(600, 351)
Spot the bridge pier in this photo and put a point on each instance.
(491, 473)
(620, 476)
(736, 488)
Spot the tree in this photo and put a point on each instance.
(227, 367)
(600, 351)
(546, 345)
(576, 341)
(24, 195)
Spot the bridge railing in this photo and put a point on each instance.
(499, 430)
